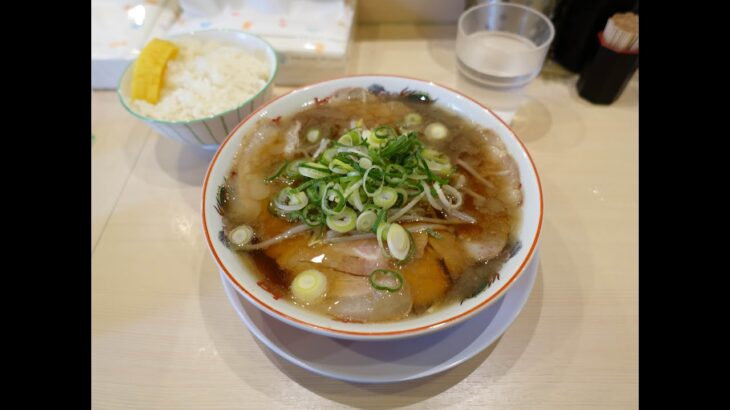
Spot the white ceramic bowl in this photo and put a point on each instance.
(210, 131)
(244, 280)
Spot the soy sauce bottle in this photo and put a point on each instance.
(577, 22)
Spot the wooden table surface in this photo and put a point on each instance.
(164, 335)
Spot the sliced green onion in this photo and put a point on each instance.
(313, 215)
(351, 177)
(382, 217)
(292, 170)
(437, 161)
(365, 162)
(365, 181)
(356, 134)
(395, 174)
(381, 233)
(411, 250)
(288, 200)
(399, 242)
(387, 280)
(351, 137)
(278, 172)
(384, 132)
(402, 196)
(434, 155)
(417, 177)
(413, 187)
(359, 150)
(355, 199)
(441, 169)
(431, 176)
(305, 185)
(313, 170)
(374, 155)
(436, 131)
(386, 198)
(343, 222)
(289, 216)
(412, 119)
(309, 286)
(399, 146)
(332, 195)
(241, 235)
(328, 154)
(365, 221)
(352, 188)
(314, 191)
(372, 207)
(313, 135)
(340, 167)
(379, 136)
(346, 140)
(410, 162)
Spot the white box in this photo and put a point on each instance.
(312, 37)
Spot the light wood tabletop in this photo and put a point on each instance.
(165, 336)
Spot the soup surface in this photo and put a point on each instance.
(371, 206)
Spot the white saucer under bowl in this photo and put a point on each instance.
(387, 361)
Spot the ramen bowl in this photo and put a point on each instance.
(243, 276)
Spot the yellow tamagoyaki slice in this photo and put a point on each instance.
(149, 70)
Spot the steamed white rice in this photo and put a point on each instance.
(206, 78)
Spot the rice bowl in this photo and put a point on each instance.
(221, 76)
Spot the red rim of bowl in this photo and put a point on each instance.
(448, 321)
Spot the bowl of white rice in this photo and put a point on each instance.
(216, 80)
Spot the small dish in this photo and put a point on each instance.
(386, 361)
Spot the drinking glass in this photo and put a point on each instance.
(500, 48)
